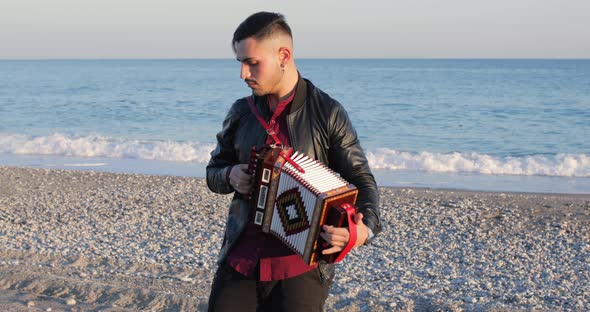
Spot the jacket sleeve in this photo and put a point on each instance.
(346, 157)
(223, 157)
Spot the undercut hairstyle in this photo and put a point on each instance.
(261, 25)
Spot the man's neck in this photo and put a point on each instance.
(288, 87)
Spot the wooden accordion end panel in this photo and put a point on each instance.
(293, 205)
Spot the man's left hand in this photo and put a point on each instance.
(338, 237)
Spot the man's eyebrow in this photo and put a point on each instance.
(244, 60)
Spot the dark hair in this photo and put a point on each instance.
(261, 25)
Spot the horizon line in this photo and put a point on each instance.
(300, 58)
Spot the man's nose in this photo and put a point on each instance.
(244, 71)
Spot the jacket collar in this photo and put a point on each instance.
(300, 94)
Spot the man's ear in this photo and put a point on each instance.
(284, 55)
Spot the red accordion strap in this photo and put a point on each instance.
(287, 157)
(265, 125)
(271, 132)
(350, 212)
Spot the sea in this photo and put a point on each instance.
(506, 125)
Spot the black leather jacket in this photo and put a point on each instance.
(318, 126)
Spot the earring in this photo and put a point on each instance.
(283, 67)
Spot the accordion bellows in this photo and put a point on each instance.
(293, 199)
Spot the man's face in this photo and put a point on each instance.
(260, 65)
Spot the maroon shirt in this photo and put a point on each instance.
(277, 261)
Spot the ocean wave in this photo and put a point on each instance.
(102, 146)
(569, 165)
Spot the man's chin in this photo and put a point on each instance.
(258, 92)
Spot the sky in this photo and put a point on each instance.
(48, 29)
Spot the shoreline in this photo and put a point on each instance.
(131, 242)
(384, 177)
(172, 175)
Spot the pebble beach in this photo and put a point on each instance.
(96, 241)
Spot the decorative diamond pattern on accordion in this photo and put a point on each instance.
(291, 212)
(296, 204)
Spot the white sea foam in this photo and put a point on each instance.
(101, 146)
(568, 165)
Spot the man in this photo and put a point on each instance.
(256, 271)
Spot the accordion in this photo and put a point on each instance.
(294, 195)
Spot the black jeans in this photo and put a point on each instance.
(231, 291)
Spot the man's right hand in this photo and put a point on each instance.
(239, 179)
